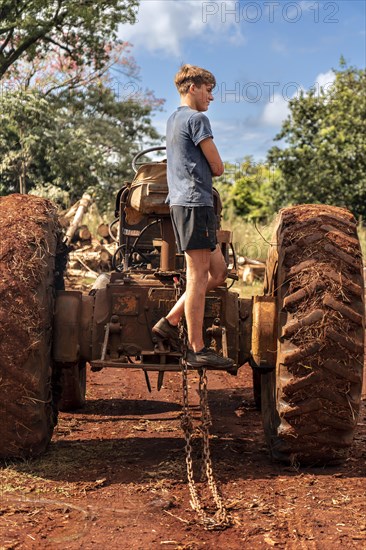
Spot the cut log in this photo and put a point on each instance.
(80, 273)
(96, 260)
(84, 204)
(82, 233)
(103, 230)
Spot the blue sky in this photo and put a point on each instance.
(262, 53)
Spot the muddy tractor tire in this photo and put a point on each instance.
(73, 383)
(29, 240)
(310, 403)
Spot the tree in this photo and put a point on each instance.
(65, 124)
(27, 129)
(82, 29)
(69, 129)
(97, 140)
(247, 190)
(71, 142)
(325, 159)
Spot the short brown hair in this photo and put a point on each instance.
(190, 74)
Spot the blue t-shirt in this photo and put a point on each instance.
(189, 174)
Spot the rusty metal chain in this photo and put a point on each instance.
(221, 514)
(221, 518)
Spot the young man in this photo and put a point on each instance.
(192, 160)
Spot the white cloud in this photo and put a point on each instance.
(163, 25)
(236, 138)
(324, 80)
(275, 111)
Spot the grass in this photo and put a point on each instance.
(250, 240)
(247, 291)
(20, 479)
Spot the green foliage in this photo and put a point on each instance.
(82, 29)
(27, 129)
(246, 190)
(53, 193)
(325, 158)
(63, 128)
(72, 142)
(98, 140)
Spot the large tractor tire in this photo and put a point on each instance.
(29, 239)
(310, 403)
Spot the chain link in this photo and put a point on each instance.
(221, 519)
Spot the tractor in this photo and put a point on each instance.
(303, 338)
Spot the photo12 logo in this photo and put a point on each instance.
(126, 91)
(254, 92)
(253, 12)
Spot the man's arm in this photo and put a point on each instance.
(212, 155)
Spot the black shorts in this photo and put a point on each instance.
(194, 227)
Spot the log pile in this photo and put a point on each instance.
(91, 260)
(74, 216)
(250, 270)
(88, 255)
(107, 233)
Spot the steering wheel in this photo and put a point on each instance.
(136, 165)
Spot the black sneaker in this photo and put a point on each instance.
(208, 358)
(164, 329)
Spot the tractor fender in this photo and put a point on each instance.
(72, 327)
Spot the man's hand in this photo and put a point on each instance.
(212, 155)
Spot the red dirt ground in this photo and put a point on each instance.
(114, 476)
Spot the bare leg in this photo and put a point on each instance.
(217, 276)
(198, 264)
(197, 283)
